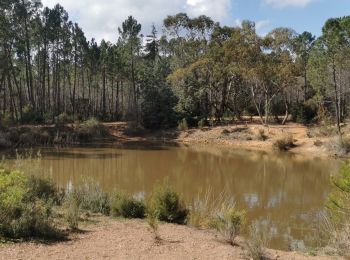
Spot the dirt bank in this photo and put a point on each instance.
(132, 239)
(245, 136)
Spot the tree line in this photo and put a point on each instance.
(195, 69)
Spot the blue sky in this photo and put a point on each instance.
(101, 18)
(308, 17)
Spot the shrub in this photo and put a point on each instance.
(339, 208)
(30, 116)
(63, 119)
(305, 113)
(43, 189)
(91, 129)
(229, 222)
(153, 223)
(71, 211)
(26, 207)
(90, 196)
(183, 126)
(257, 241)
(127, 207)
(166, 204)
(285, 143)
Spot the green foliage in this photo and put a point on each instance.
(71, 211)
(305, 113)
(26, 206)
(229, 222)
(158, 107)
(339, 200)
(125, 206)
(153, 223)
(337, 225)
(166, 204)
(182, 126)
(91, 129)
(63, 119)
(89, 196)
(30, 116)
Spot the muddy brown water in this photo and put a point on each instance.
(285, 192)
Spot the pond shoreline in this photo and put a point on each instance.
(245, 136)
(103, 237)
(239, 136)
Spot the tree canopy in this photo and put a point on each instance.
(196, 69)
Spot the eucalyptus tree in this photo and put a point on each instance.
(285, 73)
(303, 45)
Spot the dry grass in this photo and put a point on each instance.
(257, 241)
(284, 143)
(206, 206)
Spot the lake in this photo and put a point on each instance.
(284, 191)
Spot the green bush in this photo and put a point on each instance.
(127, 207)
(71, 211)
(30, 116)
(183, 126)
(229, 222)
(338, 224)
(305, 113)
(153, 224)
(43, 189)
(166, 204)
(89, 196)
(63, 119)
(26, 206)
(339, 200)
(92, 129)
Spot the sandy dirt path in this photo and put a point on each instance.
(132, 239)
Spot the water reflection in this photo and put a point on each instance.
(285, 190)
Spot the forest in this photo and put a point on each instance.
(191, 68)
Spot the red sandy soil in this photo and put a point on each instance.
(132, 239)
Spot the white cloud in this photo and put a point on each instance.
(217, 9)
(100, 19)
(286, 3)
(260, 25)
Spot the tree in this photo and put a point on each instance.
(130, 37)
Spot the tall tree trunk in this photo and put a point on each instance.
(28, 60)
(287, 111)
(256, 104)
(337, 110)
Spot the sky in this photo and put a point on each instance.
(100, 19)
